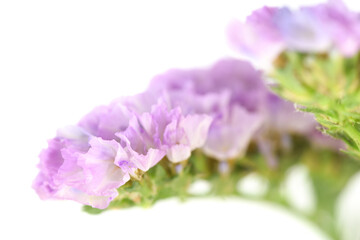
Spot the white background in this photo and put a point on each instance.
(59, 59)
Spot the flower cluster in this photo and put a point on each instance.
(218, 110)
(322, 28)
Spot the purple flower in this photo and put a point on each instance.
(342, 25)
(258, 38)
(321, 28)
(163, 131)
(186, 134)
(231, 92)
(87, 163)
(139, 147)
(302, 30)
(230, 135)
(62, 174)
(242, 107)
(105, 121)
(227, 82)
(219, 110)
(102, 175)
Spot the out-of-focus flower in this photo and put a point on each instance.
(302, 30)
(230, 135)
(342, 25)
(105, 121)
(258, 38)
(87, 163)
(231, 92)
(237, 98)
(322, 28)
(283, 118)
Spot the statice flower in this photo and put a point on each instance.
(218, 110)
(111, 144)
(165, 131)
(257, 38)
(75, 167)
(230, 92)
(302, 30)
(227, 138)
(322, 28)
(237, 98)
(104, 121)
(342, 25)
(102, 175)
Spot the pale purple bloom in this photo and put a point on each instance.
(230, 135)
(139, 147)
(219, 110)
(87, 163)
(151, 135)
(59, 159)
(185, 135)
(231, 92)
(321, 28)
(302, 30)
(105, 121)
(62, 173)
(342, 24)
(258, 38)
(243, 108)
(227, 82)
(142, 102)
(102, 176)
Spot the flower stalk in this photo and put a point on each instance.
(328, 176)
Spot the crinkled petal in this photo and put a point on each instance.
(178, 153)
(196, 128)
(105, 121)
(102, 175)
(258, 38)
(229, 139)
(70, 193)
(142, 150)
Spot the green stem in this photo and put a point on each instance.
(328, 170)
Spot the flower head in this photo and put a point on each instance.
(76, 167)
(165, 131)
(315, 29)
(219, 111)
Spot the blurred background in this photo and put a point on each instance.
(60, 59)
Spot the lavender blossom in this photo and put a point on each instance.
(105, 121)
(242, 107)
(342, 24)
(164, 131)
(258, 38)
(219, 110)
(102, 175)
(230, 135)
(69, 172)
(283, 118)
(321, 28)
(302, 30)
